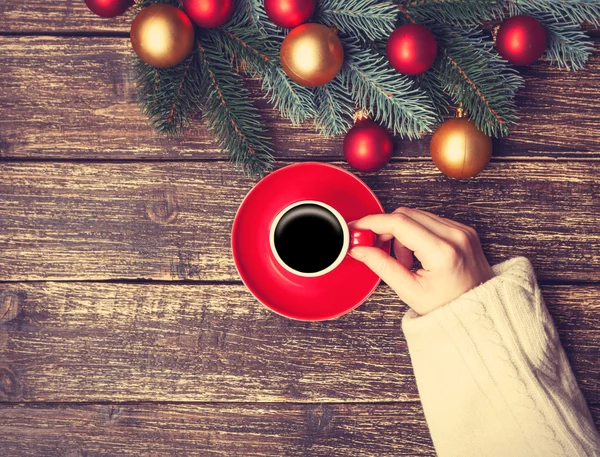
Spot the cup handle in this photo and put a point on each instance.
(362, 238)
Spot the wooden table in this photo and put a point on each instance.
(124, 327)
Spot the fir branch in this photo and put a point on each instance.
(573, 11)
(259, 20)
(458, 12)
(169, 96)
(245, 51)
(334, 108)
(371, 19)
(568, 46)
(474, 74)
(392, 99)
(229, 112)
(434, 88)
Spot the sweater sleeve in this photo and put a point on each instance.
(492, 376)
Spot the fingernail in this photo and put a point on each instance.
(357, 253)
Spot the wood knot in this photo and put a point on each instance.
(318, 418)
(113, 413)
(10, 305)
(9, 386)
(161, 206)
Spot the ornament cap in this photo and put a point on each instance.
(361, 115)
(461, 112)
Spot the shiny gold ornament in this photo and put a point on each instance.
(459, 149)
(312, 54)
(162, 35)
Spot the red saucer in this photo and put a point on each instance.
(310, 299)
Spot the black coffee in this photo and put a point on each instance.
(309, 238)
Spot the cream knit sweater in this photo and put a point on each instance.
(492, 376)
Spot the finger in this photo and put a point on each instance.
(422, 241)
(435, 225)
(387, 268)
(381, 237)
(403, 255)
(455, 233)
(448, 222)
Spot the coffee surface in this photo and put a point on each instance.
(309, 238)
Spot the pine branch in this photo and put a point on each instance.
(568, 46)
(434, 88)
(229, 113)
(334, 108)
(170, 97)
(573, 11)
(458, 12)
(474, 74)
(253, 54)
(372, 19)
(259, 20)
(392, 99)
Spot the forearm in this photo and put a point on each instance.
(493, 377)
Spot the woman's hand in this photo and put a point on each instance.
(450, 254)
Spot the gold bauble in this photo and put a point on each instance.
(312, 54)
(162, 35)
(459, 149)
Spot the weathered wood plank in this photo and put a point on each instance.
(74, 342)
(73, 97)
(212, 430)
(66, 16)
(172, 220)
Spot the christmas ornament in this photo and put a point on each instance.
(108, 8)
(162, 35)
(312, 54)
(209, 13)
(368, 146)
(459, 149)
(411, 49)
(289, 13)
(521, 40)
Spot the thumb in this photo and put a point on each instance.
(397, 276)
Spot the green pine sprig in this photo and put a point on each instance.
(229, 113)
(370, 19)
(471, 72)
(334, 108)
(457, 12)
(392, 99)
(170, 97)
(562, 11)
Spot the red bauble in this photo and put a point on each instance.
(209, 13)
(411, 49)
(368, 146)
(108, 8)
(290, 13)
(521, 40)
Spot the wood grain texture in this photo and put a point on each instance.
(215, 430)
(65, 16)
(172, 221)
(87, 342)
(73, 97)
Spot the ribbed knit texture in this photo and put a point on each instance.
(492, 376)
